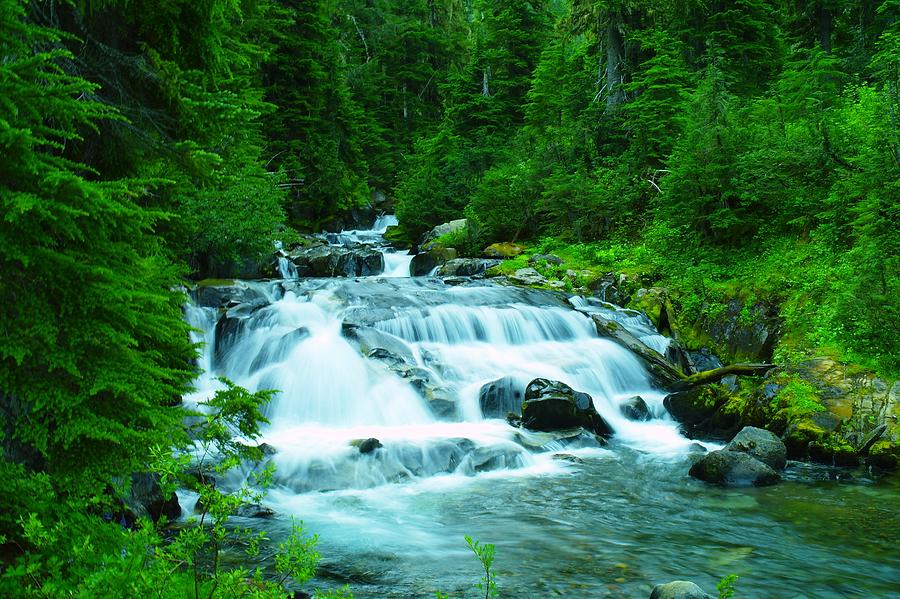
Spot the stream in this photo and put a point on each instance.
(403, 360)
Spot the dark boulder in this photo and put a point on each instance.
(762, 445)
(465, 267)
(679, 589)
(146, 499)
(501, 397)
(553, 405)
(228, 331)
(635, 408)
(422, 264)
(733, 469)
(338, 261)
(366, 445)
(228, 295)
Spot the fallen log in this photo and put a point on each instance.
(707, 377)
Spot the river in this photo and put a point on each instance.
(402, 360)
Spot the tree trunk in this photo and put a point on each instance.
(708, 377)
(615, 52)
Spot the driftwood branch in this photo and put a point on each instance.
(708, 377)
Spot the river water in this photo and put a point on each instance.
(402, 360)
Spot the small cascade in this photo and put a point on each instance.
(396, 396)
(286, 268)
(633, 321)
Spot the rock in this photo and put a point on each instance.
(635, 408)
(733, 469)
(528, 276)
(225, 294)
(548, 258)
(872, 438)
(696, 448)
(679, 589)
(366, 445)
(501, 397)
(453, 226)
(254, 510)
(146, 499)
(465, 267)
(567, 457)
(276, 349)
(422, 264)
(503, 250)
(338, 261)
(702, 360)
(654, 302)
(553, 405)
(762, 445)
(228, 331)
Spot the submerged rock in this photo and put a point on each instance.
(553, 405)
(679, 589)
(762, 445)
(733, 469)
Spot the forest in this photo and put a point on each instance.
(712, 151)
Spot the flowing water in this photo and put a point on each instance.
(402, 360)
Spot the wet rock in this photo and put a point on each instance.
(277, 349)
(465, 267)
(501, 397)
(338, 261)
(222, 294)
(146, 499)
(664, 373)
(567, 457)
(679, 589)
(422, 264)
(696, 448)
(255, 510)
(545, 258)
(635, 408)
(366, 446)
(228, 332)
(733, 469)
(528, 276)
(654, 302)
(503, 250)
(762, 445)
(553, 405)
(427, 241)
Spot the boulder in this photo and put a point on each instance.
(733, 469)
(146, 499)
(501, 397)
(422, 264)
(528, 276)
(426, 243)
(546, 258)
(762, 445)
(635, 408)
(338, 261)
(225, 294)
(366, 445)
(465, 267)
(679, 589)
(503, 250)
(553, 405)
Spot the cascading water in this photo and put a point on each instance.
(383, 449)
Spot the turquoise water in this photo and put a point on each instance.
(613, 526)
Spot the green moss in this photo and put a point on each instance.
(797, 399)
(885, 453)
(215, 283)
